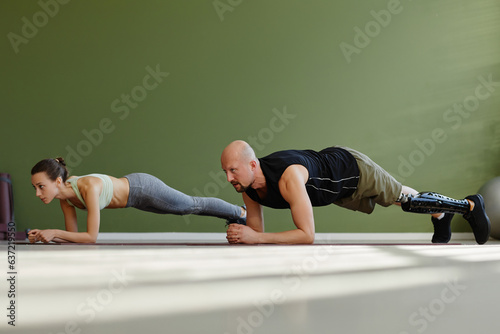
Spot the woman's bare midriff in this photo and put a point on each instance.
(121, 189)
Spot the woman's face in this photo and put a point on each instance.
(45, 188)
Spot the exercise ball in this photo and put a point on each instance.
(491, 194)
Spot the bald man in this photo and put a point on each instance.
(300, 179)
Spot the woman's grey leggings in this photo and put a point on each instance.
(149, 193)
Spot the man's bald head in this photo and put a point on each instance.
(238, 161)
(239, 150)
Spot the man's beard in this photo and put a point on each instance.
(241, 188)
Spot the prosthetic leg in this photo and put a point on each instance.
(429, 202)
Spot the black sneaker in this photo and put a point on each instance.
(241, 220)
(478, 219)
(442, 229)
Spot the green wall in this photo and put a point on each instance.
(380, 76)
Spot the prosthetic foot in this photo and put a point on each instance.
(478, 219)
(442, 229)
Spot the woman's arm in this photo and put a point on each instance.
(69, 212)
(90, 190)
(70, 220)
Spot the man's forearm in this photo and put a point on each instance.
(287, 237)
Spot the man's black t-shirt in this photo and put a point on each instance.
(333, 174)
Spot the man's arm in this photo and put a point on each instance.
(254, 224)
(255, 216)
(293, 189)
